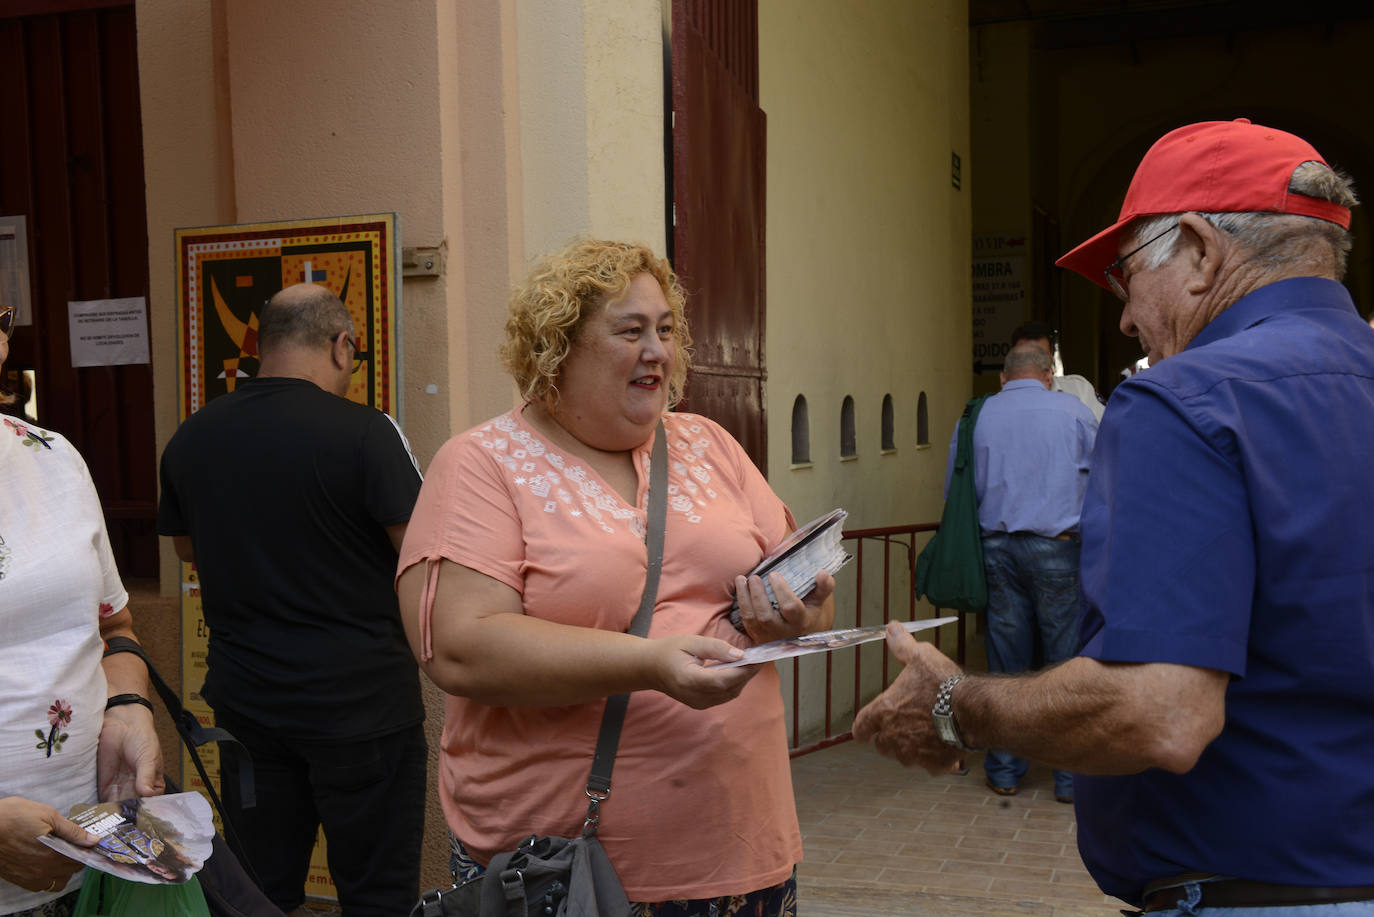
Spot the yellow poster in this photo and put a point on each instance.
(224, 276)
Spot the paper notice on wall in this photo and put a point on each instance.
(108, 332)
(999, 296)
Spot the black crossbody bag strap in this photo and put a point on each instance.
(599, 783)
(193, 735)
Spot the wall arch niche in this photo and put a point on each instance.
(801, 432)
(849, 443)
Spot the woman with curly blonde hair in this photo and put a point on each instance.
(521, 571)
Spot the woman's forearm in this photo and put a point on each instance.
(485, 648)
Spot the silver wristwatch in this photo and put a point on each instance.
(946, 727)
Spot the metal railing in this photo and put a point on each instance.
(896, 583)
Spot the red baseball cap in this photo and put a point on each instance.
(1212, 167)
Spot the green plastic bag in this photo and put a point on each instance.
(949, 572)
(104, 895)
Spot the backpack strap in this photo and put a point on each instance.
(193, 735)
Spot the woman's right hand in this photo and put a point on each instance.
(25, 861)
(681, 673)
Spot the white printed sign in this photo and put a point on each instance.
(999, 296)
(108, 332)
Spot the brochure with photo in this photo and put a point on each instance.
(813, 547)
(826, 640)
(157, 840)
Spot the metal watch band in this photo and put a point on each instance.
(942, 716)
(944, 698)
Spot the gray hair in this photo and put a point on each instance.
(1275, 239)
(1025, 360)
(310, 317)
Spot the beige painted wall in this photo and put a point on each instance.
(591, 121)
(485, 228)
(868, 244)
(623, 46)
(553, 120)
(868, 264)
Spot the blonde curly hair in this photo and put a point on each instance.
(562, 291)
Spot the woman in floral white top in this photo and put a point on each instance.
(60, 598)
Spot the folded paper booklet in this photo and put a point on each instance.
(824, 641)
(813, 547)
(158, 840)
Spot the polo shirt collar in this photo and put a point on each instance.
(1289, 295)
(1023, 383)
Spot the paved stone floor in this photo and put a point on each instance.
(882, 839)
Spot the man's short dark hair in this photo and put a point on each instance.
(304, 318)
(1032, 331)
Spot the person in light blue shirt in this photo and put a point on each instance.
(1031, 451)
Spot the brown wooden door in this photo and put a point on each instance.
(719, 135)
(71, 162)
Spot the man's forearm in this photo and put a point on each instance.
(1097, 718)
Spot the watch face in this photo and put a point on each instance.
(944, 727)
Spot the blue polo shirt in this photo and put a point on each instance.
(1229, 524)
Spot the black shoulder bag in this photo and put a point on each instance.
(949, 572)
(557, 876)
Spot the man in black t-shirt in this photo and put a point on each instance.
(292, 501)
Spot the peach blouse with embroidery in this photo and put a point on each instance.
(701, 800)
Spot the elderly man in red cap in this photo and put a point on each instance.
(1223, 695)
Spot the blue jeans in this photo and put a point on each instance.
(1189, 895)
(1032, 588)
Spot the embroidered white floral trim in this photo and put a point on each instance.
(565, 485)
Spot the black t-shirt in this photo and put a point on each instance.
(286, 491)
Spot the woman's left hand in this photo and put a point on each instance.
(128, 755)
(790, 617)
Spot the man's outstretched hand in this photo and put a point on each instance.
(898, 721)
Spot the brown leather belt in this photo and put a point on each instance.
(1062, 536)
(1244, 893)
